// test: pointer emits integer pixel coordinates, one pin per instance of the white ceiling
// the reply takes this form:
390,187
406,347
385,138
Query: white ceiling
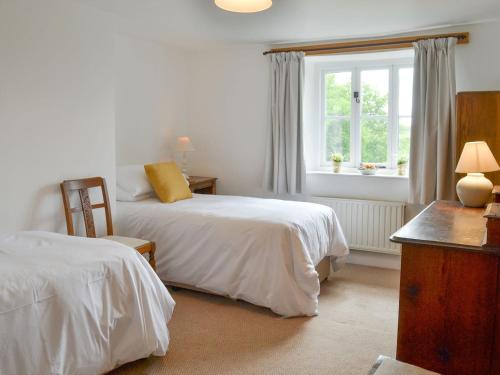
291,20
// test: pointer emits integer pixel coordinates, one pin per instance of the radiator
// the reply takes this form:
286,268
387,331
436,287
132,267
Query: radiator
367,225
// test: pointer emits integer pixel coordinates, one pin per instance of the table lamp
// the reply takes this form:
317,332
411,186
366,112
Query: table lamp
184,146
474,190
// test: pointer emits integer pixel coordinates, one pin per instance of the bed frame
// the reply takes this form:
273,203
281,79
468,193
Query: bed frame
323,270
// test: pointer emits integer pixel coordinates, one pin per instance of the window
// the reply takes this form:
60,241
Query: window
365,109
338,113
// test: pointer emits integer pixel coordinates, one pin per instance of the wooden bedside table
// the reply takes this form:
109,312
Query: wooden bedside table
203,185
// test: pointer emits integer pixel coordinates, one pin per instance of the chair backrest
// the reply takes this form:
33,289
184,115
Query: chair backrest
82,186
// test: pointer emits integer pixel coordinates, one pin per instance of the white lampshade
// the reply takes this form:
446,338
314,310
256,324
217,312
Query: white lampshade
244,6
476,157
184,144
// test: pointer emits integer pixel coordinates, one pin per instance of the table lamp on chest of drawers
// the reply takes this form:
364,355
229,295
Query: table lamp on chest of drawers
474,190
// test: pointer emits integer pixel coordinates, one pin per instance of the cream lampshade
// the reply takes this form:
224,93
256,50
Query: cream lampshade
474,190
184,146
244,6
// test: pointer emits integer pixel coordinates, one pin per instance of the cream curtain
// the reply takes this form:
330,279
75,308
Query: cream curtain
285,166
432,150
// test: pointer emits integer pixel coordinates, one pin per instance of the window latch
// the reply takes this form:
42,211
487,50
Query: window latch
356,96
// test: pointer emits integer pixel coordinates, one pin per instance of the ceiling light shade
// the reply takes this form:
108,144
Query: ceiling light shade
244,6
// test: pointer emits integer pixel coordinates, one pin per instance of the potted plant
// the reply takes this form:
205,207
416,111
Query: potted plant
337,160
368,169
402,166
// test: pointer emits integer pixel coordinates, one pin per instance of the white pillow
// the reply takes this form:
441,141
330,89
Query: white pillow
123,196
132,183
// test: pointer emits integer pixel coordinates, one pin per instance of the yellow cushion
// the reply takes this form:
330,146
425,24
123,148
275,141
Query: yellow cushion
168,182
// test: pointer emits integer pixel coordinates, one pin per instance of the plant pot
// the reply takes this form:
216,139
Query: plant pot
402,169
336,167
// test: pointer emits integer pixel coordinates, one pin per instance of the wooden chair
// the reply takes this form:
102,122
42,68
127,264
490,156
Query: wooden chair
86,207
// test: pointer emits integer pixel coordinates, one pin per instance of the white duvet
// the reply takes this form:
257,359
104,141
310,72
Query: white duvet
71,305
263,251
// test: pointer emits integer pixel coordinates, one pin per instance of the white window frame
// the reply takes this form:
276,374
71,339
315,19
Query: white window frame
356,67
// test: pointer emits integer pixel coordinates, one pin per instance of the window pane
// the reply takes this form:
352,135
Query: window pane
338,94
404,137
405,91
375,92
374,139
338,137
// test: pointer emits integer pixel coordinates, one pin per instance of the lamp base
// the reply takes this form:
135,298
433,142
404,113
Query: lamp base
474,190
184,163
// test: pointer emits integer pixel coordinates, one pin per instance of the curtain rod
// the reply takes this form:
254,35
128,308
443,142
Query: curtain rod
368,44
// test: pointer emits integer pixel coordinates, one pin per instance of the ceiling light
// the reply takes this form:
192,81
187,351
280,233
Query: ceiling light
244,6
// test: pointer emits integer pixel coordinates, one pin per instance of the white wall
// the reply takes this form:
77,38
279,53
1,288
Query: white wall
151,99
56,107
227,116
477,63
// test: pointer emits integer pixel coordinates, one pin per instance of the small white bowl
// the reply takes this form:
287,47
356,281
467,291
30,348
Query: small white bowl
368,172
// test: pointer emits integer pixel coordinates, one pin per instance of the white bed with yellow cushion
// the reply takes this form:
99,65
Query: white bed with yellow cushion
263,251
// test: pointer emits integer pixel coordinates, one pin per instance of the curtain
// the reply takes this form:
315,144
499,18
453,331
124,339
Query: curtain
285,166
433,128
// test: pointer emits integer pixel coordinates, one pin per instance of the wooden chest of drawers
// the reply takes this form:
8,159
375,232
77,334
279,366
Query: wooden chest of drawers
449,307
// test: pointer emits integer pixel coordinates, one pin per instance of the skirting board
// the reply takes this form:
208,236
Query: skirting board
380,260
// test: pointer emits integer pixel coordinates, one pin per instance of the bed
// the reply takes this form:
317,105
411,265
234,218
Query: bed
71,305
263,251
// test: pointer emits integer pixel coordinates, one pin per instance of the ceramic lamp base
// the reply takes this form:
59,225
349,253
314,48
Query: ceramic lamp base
474,190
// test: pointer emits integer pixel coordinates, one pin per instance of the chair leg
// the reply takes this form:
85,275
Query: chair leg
152,260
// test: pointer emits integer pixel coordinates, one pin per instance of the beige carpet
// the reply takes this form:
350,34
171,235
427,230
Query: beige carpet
215,335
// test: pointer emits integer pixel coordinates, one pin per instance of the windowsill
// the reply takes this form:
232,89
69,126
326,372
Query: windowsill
382,173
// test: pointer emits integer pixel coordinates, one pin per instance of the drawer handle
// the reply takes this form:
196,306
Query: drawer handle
444,354
413,291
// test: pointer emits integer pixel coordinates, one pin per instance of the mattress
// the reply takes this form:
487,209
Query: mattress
72,305
263,251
